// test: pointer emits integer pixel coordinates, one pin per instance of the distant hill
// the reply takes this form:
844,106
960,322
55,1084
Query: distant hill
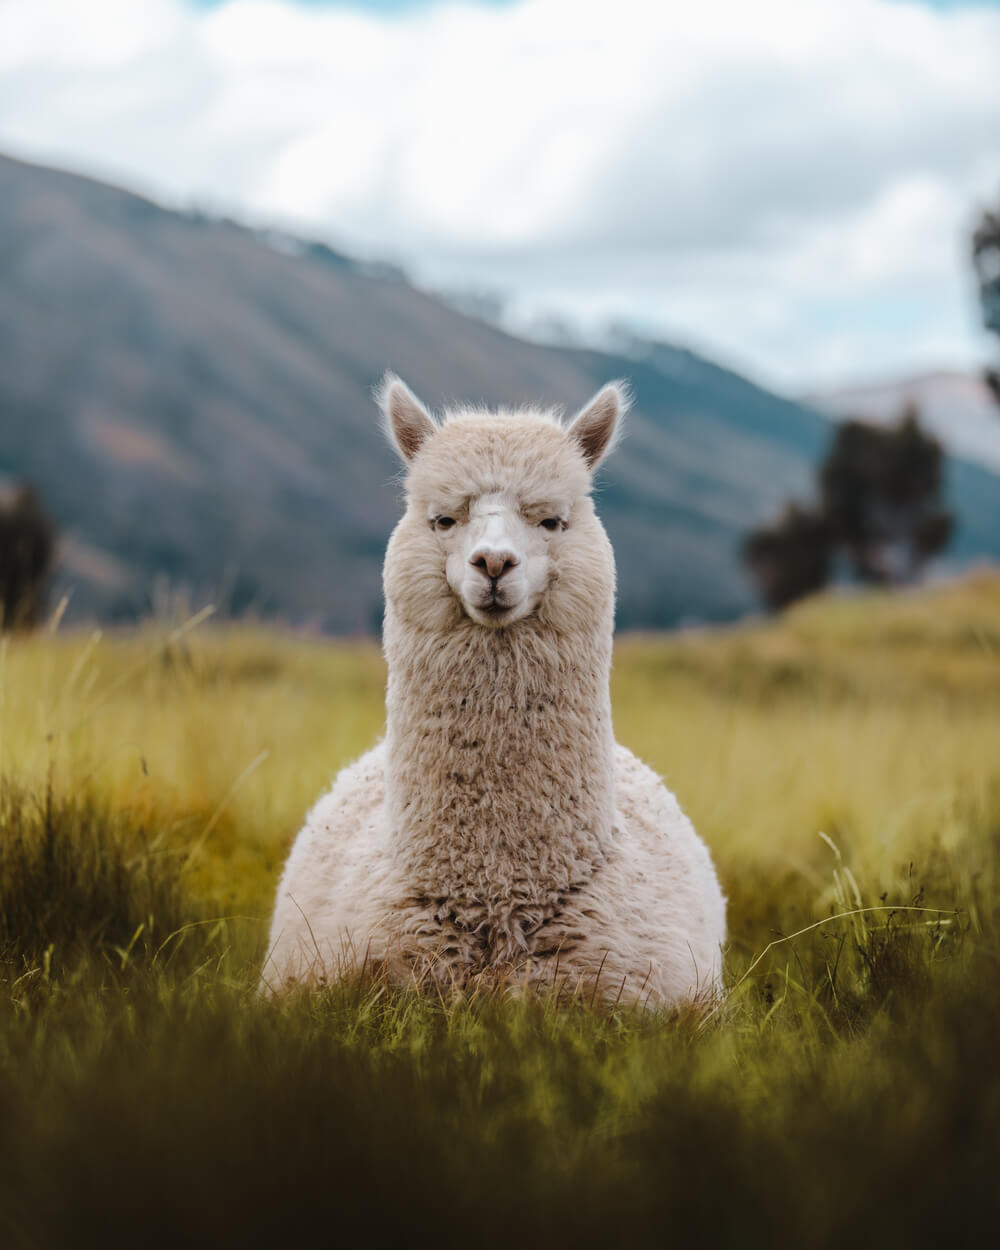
192,399
959,407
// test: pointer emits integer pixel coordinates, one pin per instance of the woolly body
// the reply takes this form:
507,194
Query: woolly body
498,830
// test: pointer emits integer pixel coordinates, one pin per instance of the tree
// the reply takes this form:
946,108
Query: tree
881,496
986,258
791,558
881,507
27,549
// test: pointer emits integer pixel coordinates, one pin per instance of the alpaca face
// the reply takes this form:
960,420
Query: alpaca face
497,550
499,525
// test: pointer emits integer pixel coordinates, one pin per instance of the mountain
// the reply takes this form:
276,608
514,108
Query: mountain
192,399
959,407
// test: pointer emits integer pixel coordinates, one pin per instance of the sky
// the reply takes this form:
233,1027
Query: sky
786,186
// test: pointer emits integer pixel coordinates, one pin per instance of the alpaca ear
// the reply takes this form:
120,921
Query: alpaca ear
407,421
597,427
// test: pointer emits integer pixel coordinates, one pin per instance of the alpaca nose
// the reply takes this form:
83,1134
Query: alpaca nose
494,564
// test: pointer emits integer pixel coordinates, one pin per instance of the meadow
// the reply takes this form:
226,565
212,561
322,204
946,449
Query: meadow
843,764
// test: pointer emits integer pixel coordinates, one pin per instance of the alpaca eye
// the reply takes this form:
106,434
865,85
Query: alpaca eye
444,522
550,523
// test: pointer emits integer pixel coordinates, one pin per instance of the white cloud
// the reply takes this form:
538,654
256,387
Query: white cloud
785,183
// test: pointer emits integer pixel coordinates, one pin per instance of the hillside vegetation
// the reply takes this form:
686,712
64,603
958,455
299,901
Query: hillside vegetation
844,766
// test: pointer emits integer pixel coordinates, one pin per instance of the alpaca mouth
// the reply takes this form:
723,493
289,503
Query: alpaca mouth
493,609
496,607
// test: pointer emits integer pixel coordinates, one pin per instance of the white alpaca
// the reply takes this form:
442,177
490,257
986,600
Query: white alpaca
498,829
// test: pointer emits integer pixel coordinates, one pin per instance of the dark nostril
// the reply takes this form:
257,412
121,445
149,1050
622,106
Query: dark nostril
495,564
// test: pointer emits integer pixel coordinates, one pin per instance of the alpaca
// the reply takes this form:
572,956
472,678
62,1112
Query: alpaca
498,831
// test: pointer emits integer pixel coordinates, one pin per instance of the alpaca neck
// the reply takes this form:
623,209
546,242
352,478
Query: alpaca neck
500,764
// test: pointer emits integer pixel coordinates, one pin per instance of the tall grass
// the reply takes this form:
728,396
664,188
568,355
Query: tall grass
844,766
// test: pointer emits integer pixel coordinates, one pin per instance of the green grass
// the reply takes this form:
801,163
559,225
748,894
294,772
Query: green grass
846,1089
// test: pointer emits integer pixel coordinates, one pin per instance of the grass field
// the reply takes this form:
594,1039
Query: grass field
843,760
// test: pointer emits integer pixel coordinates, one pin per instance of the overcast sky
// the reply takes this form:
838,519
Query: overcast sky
786,185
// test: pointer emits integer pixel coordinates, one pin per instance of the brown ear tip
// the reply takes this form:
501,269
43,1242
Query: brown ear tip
389,389
597,428
620,392
406,422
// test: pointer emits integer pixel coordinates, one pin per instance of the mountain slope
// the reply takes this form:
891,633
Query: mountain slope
192,399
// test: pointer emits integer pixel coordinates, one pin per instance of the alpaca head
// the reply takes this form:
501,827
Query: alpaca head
499,525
